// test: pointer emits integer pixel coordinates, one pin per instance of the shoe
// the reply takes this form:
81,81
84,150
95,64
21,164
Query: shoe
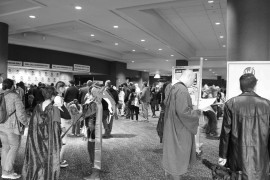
63,164
11,176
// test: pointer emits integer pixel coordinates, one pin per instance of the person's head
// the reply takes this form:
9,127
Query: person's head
60,87
72,82
247,82
144,84
49,92
89,83
124,84
187,77
7,84
132,90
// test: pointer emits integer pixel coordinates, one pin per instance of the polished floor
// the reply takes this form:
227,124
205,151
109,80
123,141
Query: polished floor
133,153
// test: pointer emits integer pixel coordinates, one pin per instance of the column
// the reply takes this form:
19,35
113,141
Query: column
248,30
3,49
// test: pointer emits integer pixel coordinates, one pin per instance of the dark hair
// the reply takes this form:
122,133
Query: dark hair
7,84
59,84
72,82
48,92
145,84
247,82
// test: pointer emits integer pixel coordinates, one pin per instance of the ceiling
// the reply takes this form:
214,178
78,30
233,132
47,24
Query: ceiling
171,29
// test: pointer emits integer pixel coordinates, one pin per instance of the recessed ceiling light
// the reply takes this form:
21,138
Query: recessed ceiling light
224,46
78,7
206,59
160,49
116,44
221,37
172,55
213,72
132,61
217,23
143,40
133,50
167,60
115,27
92,35
144,70
210,2
210,69
32,16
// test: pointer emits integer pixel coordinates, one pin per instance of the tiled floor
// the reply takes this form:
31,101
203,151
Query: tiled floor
133,153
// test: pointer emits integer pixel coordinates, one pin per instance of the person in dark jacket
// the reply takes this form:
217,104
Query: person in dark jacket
244,139
37,93
71,93
84,91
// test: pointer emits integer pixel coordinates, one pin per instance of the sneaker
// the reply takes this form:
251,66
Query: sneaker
11,176
63,164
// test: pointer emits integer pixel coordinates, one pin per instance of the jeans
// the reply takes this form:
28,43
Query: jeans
10,146
107,126
145,109
134,110
76,128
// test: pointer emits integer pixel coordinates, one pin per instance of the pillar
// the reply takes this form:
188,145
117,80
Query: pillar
3,49
181,62
248,30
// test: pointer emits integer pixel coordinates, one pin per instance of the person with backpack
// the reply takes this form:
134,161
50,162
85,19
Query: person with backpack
12,120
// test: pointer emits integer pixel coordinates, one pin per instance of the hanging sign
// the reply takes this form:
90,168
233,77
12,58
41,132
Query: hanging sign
62,67
81,68
14,63
36,65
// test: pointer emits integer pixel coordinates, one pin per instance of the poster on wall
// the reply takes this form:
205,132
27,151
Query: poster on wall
81,68
32,76
261,70
195,89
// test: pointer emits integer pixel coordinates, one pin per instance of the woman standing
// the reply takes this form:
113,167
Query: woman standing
42,153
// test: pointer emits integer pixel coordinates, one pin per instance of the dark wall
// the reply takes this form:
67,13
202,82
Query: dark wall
115,71
31,54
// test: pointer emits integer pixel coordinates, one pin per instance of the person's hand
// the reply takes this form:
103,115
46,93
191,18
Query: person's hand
222,161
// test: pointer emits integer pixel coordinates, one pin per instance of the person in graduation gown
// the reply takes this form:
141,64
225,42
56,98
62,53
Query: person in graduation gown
42,152
181,124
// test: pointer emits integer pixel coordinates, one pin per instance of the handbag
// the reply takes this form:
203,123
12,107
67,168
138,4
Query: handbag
222,173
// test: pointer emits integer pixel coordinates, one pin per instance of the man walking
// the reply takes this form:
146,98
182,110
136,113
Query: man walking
145,99
244,139
181,123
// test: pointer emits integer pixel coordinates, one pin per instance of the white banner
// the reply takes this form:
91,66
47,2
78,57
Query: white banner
235,69
81,68
36,65
62,67
14,63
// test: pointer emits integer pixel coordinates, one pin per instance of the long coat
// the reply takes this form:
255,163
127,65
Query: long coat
179,149
244,139
42,151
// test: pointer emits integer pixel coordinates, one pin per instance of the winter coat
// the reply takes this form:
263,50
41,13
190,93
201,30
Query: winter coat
14,103
244,139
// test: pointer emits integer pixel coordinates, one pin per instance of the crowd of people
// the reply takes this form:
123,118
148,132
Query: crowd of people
54,109
49,111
